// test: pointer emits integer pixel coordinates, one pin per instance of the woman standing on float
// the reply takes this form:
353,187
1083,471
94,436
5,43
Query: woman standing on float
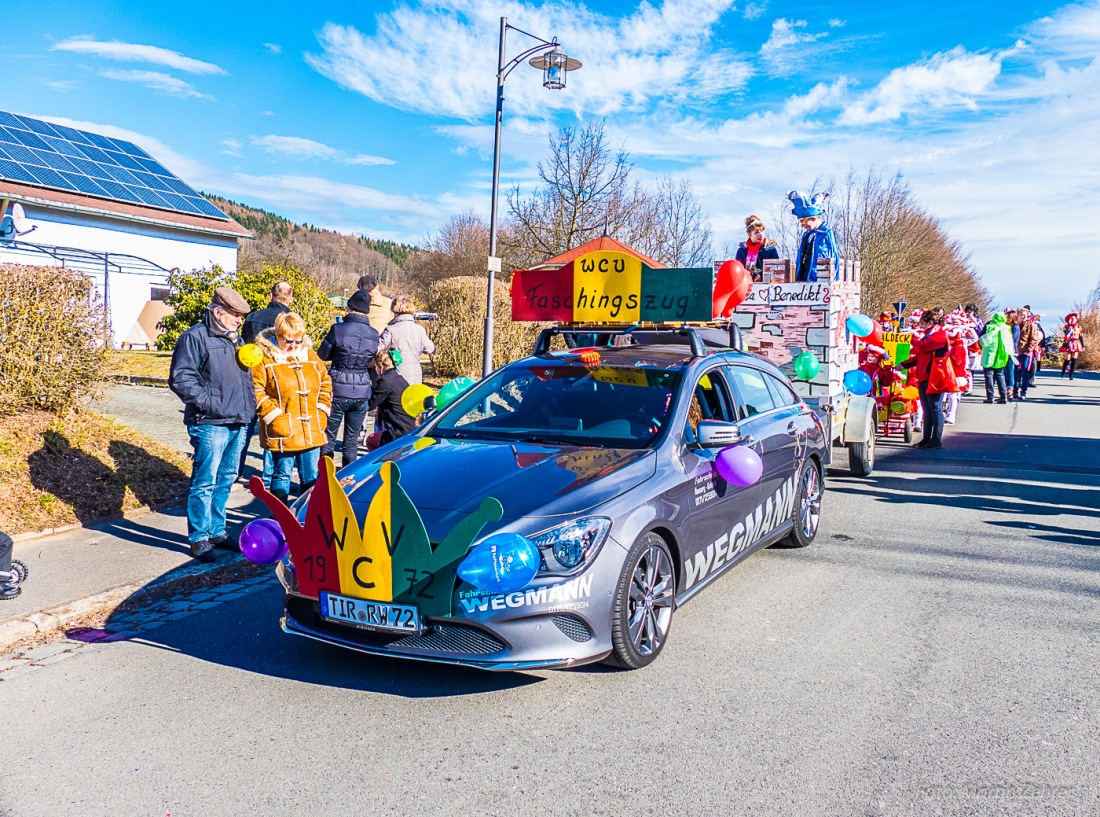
1072,344
757,249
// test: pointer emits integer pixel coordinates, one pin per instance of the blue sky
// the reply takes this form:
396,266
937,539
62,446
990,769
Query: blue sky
375,117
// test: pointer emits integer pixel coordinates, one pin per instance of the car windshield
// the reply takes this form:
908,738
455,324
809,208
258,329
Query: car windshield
619,407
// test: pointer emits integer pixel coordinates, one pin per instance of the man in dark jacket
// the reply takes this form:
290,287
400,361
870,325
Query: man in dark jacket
350,345
219,403
386,397
282,296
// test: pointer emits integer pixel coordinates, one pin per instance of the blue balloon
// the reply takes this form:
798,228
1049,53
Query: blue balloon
500,564
860,325
857,382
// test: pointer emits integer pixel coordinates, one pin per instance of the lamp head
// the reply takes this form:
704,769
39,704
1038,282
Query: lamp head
554,66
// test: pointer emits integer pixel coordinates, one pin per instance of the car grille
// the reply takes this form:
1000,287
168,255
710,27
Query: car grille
573,626
448,637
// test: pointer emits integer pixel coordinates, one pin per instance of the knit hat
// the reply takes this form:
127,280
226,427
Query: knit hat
753,223
230,300
359,301
807,206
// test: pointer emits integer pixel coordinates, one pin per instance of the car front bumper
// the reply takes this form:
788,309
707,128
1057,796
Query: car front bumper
535,641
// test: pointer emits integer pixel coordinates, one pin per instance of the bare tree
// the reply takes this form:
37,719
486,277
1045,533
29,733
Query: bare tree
586,191
460,248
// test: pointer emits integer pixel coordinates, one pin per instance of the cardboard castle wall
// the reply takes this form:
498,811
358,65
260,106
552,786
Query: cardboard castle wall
781,321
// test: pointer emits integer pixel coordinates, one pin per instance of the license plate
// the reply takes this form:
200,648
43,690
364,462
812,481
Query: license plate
372,615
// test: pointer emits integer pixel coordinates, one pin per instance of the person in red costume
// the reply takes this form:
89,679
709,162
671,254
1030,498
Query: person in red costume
933,344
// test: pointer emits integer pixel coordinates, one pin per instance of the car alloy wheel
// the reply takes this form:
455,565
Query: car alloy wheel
806,513
810,502
644,603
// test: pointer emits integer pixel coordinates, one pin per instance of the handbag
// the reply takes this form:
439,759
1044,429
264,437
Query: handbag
941,374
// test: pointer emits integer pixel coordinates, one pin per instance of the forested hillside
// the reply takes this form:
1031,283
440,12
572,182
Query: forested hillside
335,260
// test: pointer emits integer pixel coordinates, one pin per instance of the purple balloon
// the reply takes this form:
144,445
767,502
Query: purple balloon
262,541
739,465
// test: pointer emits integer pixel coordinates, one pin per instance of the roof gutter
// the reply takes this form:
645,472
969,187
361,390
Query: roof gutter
77,208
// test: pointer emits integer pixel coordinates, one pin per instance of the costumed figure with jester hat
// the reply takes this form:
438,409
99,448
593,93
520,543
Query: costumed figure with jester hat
818,242
961,336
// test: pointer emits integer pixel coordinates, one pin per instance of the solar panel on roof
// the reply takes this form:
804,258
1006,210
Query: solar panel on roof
64,158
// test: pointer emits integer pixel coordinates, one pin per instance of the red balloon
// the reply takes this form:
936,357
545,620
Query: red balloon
875,338
374,440
731,287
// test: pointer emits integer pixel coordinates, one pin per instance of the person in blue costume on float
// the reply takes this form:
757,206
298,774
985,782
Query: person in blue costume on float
818,241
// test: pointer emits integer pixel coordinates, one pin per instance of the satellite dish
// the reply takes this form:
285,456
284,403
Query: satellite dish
15,224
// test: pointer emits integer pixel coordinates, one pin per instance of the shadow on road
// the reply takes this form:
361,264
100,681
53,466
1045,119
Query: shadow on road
244,633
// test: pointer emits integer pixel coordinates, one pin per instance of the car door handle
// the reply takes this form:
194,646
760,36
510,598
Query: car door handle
792,430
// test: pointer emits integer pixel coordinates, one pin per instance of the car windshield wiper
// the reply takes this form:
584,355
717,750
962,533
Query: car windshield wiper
458,434
549,439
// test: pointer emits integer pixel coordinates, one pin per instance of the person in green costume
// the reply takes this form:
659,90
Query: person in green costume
996,343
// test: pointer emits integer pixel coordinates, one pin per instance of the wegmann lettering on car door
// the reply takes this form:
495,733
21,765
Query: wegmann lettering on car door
766,517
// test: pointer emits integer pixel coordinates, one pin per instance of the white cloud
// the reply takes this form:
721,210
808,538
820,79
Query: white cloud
951,79
61,84
836,22
754,11
630,63
295,147
165,83
274,48
133,52
780,51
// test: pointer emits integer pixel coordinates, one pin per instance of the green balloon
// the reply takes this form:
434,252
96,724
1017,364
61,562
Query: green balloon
806,366
451,390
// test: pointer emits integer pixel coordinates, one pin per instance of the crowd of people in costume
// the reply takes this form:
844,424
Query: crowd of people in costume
946,352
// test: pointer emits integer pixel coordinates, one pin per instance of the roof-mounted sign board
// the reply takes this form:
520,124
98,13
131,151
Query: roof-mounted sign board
612,287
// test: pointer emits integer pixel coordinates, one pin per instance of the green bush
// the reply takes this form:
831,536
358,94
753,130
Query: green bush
458,334
190,294
54,337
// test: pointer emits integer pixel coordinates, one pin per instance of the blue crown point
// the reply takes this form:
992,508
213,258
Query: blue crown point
806,206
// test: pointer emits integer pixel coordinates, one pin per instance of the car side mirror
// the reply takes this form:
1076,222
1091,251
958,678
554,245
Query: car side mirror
718,434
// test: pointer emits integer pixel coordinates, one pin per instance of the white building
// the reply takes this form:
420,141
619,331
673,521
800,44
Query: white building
106,207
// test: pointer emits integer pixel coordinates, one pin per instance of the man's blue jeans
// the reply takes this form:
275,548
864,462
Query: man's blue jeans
213,470
269,465
305,461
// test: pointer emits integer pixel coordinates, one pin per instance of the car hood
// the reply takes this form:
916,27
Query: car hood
444,477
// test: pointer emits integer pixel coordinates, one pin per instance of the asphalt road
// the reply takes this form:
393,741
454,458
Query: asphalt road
933,653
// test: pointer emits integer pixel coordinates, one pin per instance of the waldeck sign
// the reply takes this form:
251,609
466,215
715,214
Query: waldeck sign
612,287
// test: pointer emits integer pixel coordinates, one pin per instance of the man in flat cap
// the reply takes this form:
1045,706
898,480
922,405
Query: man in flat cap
219,403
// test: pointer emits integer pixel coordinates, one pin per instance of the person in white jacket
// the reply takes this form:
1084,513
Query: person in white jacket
408,337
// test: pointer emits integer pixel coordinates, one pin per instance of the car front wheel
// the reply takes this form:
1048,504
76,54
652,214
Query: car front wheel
644,600
806,515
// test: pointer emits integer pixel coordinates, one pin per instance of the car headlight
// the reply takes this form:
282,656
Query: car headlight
568,547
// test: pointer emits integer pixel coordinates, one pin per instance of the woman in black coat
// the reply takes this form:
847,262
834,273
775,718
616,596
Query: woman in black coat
756,248
350,345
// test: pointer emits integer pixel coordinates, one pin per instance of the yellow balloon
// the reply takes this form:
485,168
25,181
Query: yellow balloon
910,393
412,399
250,355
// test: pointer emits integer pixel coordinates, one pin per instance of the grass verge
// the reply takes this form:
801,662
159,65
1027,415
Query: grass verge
138,363
58,470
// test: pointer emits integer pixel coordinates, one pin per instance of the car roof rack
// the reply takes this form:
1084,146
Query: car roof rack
699,338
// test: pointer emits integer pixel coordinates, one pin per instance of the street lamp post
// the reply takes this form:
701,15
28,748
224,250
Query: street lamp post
555,65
